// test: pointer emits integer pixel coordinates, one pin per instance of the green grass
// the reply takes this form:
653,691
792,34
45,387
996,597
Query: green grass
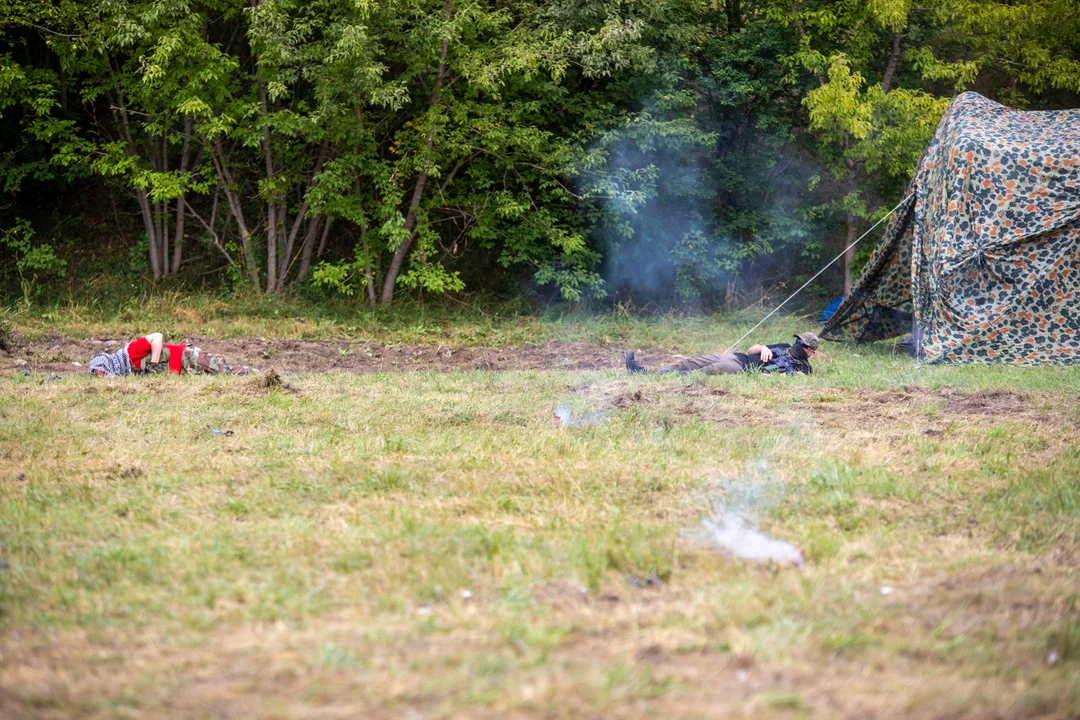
486,323
370,545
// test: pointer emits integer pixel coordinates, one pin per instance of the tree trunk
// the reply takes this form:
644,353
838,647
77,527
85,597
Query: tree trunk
178,239
369,277
894,60
322,241
286,262
849,253
734,15
290,242
271,205
186,208
140,193
308,248
418,190
237,211
159,224
410,220
148,222
164,246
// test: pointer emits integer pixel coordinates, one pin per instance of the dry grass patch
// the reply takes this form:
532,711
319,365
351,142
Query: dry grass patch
379,544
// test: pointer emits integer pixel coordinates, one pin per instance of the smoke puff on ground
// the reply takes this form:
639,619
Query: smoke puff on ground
733,534
732,526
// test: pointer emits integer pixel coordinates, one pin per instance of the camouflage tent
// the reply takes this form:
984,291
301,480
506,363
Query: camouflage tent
985,251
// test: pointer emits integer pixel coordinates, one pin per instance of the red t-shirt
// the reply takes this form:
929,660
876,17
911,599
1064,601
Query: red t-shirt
139,349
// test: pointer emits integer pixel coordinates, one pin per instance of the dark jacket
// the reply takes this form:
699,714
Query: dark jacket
786,359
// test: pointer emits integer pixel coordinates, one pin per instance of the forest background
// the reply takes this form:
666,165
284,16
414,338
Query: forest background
672,153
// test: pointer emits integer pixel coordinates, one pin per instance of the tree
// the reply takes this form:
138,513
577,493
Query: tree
464,160
674,147
881,87
700,175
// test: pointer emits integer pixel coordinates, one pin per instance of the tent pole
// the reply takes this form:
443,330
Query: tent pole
916,336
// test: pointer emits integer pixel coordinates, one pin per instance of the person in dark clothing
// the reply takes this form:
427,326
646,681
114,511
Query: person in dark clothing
783,358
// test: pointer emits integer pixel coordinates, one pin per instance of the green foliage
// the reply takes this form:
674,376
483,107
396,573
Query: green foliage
7,329
667,151
33,261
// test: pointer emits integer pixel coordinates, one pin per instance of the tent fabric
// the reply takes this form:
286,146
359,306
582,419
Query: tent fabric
830,310
985,250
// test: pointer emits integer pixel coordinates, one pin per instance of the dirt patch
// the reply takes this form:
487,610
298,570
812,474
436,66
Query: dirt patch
562,595
830,407
999,403
1001,599
870,405
270,380
64,355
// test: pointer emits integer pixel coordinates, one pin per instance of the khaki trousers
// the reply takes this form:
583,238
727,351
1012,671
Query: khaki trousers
722,364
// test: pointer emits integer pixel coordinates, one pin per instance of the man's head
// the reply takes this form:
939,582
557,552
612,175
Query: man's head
808,341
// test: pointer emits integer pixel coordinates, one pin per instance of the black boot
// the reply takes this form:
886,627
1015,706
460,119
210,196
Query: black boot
632,366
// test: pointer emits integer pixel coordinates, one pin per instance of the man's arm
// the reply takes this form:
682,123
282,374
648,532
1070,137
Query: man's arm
156,340
763,350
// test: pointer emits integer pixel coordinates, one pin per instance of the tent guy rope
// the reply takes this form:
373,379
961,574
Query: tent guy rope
830,263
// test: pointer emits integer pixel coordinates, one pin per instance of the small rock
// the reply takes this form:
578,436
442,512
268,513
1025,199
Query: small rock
466,595
1053,657
21,363
651,653
652,581
886,590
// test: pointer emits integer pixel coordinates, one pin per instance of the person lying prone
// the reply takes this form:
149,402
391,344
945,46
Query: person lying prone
782,358
150,354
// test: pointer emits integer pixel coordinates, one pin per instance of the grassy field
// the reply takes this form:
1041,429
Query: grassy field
465,325
431,545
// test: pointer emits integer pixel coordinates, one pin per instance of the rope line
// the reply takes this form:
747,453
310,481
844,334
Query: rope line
844,252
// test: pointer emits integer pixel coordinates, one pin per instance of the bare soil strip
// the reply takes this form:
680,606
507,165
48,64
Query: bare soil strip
59,354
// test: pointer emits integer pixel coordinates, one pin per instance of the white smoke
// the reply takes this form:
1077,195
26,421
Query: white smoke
737,537
733,524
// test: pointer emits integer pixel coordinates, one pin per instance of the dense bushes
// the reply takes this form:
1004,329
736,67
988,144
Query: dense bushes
676,151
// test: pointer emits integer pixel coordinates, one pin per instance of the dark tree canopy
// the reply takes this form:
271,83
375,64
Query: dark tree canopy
670,151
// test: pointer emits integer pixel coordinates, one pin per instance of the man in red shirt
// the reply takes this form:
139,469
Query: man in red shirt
177,359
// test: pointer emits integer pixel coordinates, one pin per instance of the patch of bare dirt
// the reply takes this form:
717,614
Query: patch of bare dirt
998,403
873,405
63,355
1002,599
